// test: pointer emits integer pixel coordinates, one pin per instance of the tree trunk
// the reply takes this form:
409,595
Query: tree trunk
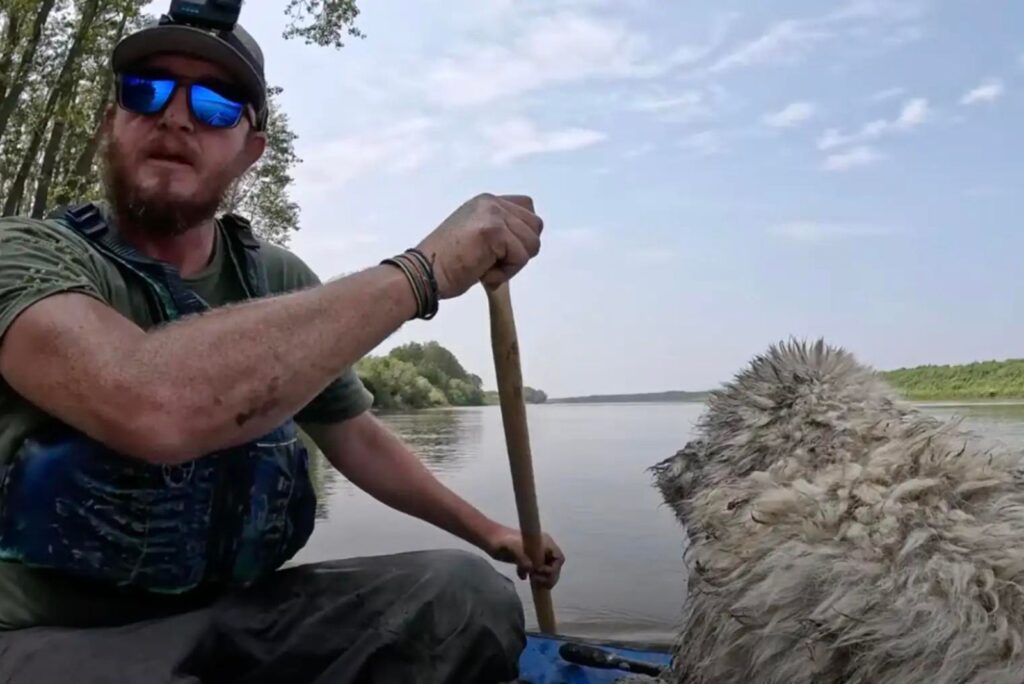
60,87
45,178
28,55
11,35
80,174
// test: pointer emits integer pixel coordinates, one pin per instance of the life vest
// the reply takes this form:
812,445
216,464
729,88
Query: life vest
71,504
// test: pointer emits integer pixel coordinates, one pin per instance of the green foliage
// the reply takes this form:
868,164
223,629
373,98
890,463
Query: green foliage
396,384
440,367
534,396
261,194
530,396
427,375
981,380
322,22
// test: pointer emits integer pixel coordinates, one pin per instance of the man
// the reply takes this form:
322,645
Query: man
153,360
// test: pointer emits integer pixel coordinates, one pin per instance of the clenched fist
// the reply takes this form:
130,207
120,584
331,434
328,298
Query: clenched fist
488,239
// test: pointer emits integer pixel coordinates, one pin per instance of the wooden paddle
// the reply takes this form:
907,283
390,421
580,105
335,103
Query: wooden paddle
505,345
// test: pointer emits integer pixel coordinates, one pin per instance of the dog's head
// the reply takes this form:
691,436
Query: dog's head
812,403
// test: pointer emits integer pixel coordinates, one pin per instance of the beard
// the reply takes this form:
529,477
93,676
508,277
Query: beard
155,210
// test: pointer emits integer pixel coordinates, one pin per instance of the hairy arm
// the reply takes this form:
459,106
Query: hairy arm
225,377
203,383
376,460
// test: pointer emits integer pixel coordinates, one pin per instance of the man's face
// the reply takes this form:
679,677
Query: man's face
168,172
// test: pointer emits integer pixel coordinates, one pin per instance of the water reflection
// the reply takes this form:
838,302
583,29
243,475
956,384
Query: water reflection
443,439
1001,423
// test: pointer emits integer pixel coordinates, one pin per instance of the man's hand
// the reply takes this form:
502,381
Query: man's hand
506,544
488,239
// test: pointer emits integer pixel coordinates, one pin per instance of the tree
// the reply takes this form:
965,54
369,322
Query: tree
440,367
396,384
16,85
534,396
262,195
418,375
322,22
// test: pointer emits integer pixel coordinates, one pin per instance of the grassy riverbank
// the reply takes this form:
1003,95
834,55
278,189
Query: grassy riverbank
983,380
980,380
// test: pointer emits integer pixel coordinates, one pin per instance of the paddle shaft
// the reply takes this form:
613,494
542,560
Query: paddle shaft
505,345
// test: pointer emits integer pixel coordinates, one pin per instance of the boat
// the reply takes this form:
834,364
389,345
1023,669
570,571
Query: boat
561,659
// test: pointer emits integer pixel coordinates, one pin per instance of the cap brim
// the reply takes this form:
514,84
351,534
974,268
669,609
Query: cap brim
194,42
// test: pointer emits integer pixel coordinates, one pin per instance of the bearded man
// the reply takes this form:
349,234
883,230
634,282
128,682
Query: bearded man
157,362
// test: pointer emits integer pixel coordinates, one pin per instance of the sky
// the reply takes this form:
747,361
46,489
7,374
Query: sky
714,177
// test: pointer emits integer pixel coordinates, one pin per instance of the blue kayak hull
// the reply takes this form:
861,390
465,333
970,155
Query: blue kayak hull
541,662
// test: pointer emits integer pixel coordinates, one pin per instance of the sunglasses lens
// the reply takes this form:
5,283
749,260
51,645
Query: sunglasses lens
214,109
145,95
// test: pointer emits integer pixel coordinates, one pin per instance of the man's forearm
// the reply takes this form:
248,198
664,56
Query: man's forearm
378,462
235,373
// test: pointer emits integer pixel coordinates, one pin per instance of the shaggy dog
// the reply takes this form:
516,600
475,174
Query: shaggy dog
838,535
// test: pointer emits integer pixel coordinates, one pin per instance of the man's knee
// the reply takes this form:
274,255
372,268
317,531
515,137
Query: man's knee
470,577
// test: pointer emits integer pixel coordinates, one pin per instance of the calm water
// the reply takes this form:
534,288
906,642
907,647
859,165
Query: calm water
624,576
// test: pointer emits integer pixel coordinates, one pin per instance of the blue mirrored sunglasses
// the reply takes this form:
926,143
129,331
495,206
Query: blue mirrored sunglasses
151,95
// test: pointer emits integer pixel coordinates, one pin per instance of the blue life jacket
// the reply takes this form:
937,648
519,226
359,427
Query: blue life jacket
71,504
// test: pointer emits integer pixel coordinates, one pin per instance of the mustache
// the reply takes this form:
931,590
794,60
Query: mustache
171,147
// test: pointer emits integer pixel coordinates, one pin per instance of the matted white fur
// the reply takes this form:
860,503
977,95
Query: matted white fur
836,534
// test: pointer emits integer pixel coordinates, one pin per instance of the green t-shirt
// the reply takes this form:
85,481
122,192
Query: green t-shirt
39,259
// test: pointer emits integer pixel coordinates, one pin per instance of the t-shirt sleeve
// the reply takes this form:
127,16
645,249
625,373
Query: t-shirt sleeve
346,397
37,261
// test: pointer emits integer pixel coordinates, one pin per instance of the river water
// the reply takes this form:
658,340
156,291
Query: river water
624,576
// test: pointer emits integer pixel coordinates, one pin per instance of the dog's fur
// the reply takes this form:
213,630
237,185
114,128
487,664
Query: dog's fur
836,534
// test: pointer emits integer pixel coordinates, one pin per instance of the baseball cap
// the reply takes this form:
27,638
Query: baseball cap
236,51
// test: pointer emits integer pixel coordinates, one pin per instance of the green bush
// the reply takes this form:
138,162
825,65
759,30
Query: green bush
980,380
426,375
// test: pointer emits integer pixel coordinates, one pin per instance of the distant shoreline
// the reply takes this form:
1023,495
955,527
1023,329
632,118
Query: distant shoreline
700,397
644,397
973,384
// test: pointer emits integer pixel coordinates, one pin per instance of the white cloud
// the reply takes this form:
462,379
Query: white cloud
563,47
517,138
820,231
791,115
705,143
559,48
869,22
852,158
887,94
403,146
913,113
674,105
878,9
785,42
688,100
989,90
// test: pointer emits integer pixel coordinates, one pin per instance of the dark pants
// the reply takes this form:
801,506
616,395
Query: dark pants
436,616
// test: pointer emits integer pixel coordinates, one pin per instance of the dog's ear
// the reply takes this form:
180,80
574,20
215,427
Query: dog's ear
681,476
